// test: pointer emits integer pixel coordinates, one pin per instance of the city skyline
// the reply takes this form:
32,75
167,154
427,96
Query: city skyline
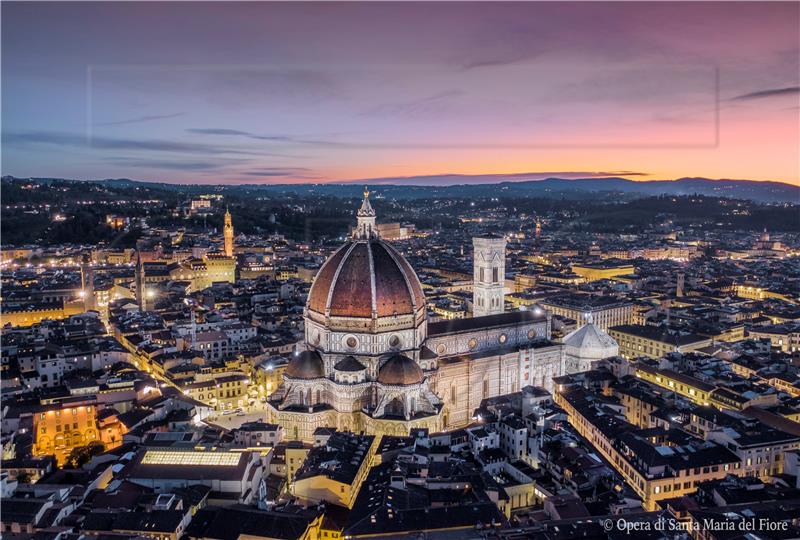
417,270
295,93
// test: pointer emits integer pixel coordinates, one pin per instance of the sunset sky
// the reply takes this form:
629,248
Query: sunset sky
318,92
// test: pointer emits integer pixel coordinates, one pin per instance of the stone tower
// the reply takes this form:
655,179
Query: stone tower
141,296
227,233
489,256
87,282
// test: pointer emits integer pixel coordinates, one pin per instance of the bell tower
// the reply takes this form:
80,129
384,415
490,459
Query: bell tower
87,282
489,276
141,296
227,233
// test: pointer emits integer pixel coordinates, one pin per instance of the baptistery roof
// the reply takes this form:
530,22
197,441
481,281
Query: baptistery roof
400,370
366,278
590,341
306,365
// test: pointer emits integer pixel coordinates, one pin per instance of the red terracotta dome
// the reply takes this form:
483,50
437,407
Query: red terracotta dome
366,278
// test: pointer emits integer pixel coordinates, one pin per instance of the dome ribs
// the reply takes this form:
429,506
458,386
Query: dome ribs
352,289
318,296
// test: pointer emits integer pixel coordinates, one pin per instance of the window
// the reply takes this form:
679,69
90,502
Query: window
495,275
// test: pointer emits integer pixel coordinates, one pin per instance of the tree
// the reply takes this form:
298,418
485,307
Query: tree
81,455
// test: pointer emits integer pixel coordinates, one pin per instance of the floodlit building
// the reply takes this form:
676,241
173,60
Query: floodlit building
373,363
227,233
333,472
604,270
61,429
586,346
605,311
639,340
489,275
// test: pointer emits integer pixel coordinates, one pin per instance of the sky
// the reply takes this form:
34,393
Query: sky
259,92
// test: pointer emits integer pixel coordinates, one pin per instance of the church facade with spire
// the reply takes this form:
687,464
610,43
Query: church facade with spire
371,361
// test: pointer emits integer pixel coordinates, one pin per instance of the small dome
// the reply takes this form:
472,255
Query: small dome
400,370
349,363
590,342
306,365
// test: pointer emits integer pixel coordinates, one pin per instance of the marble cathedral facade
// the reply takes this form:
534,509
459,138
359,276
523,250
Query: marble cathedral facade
373,363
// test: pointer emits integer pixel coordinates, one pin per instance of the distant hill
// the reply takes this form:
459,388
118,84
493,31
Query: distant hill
561,188
739,189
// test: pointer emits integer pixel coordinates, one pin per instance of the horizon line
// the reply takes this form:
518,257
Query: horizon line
398,181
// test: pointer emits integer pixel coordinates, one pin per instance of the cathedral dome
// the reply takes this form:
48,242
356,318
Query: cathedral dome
366,278
306,365
400,370
590,342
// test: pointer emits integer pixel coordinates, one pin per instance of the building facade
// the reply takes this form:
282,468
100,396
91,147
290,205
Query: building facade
605,311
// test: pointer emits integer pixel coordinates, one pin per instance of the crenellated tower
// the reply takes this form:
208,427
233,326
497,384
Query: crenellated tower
227,233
